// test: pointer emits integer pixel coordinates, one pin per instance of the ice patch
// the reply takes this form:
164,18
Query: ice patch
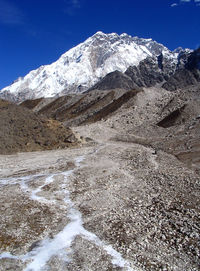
117,258
63,240
49,248
79,160
34,193
60,245
9,256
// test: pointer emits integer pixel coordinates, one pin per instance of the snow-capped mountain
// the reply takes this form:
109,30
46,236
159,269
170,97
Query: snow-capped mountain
82,66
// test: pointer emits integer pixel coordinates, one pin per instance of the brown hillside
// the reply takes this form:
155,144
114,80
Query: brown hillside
22,130
30,104
74,110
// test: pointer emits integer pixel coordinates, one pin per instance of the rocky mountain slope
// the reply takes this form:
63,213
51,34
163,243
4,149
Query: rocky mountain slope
160,119
130,200
165,121
115,80
22,130
82,66
187,72
154,71
79,109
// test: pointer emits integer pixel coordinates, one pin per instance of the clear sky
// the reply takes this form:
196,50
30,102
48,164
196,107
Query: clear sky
37,32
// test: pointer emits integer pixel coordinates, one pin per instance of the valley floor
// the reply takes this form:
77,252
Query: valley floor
109,205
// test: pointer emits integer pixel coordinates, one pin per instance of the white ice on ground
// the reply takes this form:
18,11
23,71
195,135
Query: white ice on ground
9,256
60,245
78,160
117,258
12,181
33,193
19,180
48,248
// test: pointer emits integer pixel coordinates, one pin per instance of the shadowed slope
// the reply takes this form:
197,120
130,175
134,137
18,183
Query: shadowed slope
23,130
89,107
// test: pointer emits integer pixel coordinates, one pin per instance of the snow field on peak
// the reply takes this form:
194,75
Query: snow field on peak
83,65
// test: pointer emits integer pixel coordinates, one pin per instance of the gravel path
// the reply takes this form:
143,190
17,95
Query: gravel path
107,206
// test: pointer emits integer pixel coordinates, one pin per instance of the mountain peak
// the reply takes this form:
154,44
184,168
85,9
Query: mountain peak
102,35
82,66
99,33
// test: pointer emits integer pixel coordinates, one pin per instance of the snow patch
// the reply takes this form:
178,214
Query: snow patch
8,255
60,245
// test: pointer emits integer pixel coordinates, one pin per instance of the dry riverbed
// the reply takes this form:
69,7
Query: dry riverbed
108,206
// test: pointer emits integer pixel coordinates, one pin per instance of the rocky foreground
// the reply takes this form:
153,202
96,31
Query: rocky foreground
112,206
128,199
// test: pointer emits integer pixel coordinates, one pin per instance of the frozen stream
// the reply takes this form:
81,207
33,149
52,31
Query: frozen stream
61,244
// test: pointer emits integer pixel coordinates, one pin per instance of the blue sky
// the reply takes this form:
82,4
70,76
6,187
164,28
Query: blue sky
37,32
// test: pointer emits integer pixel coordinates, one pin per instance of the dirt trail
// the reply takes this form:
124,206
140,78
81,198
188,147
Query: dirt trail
49,191
123,207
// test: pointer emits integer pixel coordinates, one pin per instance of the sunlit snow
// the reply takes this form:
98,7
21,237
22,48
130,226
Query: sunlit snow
97,56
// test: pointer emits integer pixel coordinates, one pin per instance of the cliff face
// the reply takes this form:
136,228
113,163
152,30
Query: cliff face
187,72
157,70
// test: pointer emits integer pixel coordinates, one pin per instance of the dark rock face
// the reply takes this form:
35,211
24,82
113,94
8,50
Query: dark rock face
151,71
147,73
115,80
193,61
182,78
155,70
187,72
182,60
